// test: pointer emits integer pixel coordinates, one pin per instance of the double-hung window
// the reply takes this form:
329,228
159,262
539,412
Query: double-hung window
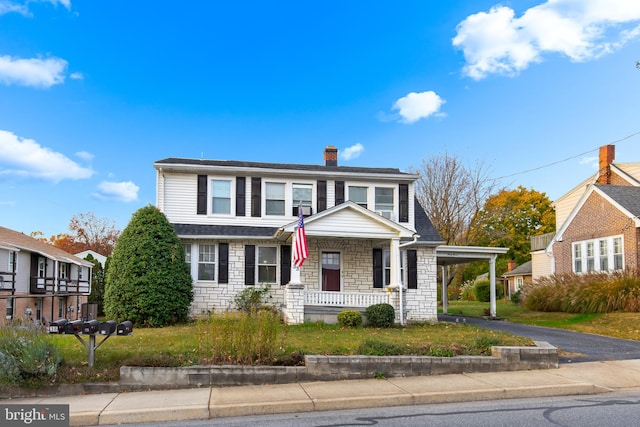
591,265
618,263
384,199
13,262
604,255
302,196
267,264
386,258
359,195
10,307
206,262
577,257
220,196
274,198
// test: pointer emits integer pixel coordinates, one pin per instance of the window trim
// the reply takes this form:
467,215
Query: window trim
276,248
231,198
214,262
366,194
265,199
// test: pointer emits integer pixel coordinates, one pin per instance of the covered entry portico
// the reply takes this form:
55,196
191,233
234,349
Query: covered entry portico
451,255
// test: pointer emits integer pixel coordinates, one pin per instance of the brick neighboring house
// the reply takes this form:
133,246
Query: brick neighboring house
598,223
516,277
39,281
369,239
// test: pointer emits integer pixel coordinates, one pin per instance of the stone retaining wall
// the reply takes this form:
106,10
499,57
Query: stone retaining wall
331,368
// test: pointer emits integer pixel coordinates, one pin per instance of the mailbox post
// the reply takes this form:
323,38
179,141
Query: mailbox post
91,328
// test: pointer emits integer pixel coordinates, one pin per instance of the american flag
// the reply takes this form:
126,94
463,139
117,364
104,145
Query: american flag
300,248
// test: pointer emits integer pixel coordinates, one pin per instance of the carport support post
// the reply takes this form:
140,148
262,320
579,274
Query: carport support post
445,293
492,286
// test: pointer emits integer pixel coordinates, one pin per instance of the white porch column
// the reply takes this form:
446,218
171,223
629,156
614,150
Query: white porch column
492,286
395,279
445,293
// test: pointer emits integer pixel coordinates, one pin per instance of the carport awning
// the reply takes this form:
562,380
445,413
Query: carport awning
450,255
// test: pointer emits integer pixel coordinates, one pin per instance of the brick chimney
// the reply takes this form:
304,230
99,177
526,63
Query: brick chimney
511,264
331,156
607,155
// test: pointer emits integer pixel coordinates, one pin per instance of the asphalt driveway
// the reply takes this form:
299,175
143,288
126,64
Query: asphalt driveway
574,346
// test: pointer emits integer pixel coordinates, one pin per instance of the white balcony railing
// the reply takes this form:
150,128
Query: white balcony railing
343,299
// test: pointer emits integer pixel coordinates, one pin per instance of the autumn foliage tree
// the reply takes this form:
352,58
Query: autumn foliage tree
509,219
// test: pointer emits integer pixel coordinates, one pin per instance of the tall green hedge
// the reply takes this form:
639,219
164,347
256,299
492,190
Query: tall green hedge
148,280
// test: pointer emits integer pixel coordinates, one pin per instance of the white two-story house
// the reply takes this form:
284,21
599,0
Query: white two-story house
369,239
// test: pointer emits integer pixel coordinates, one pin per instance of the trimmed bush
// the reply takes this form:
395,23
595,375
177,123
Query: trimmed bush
148,280
482,291
380,315
350,319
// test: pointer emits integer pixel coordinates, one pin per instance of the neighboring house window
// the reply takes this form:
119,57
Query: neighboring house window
577,258
519,281
10,307
274,198
302,195
384,199
387,266
267,264
603,254
13,261
42,267
61,304
39,309
358,195
220,196
590,257
206,262
617,254
62,270
604,258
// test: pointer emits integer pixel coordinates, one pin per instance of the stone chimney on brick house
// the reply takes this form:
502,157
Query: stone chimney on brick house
331,156
607,155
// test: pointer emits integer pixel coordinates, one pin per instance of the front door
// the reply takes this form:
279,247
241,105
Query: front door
331,271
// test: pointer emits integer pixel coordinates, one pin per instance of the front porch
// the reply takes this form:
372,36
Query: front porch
324,307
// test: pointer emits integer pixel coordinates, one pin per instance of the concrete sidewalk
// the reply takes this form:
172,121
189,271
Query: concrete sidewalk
213,402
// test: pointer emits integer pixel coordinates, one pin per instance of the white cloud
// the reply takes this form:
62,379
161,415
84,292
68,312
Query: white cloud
7,6
34,72
592,161
27,158
117,191
85,155
416,106
76,76
498,42
352,152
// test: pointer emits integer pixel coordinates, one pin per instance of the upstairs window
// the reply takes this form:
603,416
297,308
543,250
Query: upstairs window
13,262
302,196
358,195
220,197
62,270
274,198
384,199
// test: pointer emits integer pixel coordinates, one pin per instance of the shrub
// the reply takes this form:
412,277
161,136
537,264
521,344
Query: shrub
467,291
482,291
372,347
27,358
380,315
251,299
148,280
516,297
350,318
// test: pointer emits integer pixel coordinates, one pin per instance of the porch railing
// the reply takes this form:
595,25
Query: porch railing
343,299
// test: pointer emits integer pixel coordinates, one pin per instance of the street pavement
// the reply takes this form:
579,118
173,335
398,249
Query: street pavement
586,378
573,346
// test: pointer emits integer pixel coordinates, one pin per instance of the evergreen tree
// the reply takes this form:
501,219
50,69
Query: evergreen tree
148,281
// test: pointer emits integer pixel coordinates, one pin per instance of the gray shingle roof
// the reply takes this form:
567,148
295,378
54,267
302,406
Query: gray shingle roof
223,230
521,270
424,227
283,166
627,196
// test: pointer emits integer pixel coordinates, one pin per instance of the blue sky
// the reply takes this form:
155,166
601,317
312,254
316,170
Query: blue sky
92,93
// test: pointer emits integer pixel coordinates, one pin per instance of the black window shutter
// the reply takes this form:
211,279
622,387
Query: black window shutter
339,192
404,203
377,268
256,197
202,195
412,269
285,264
249,264
241,193
321,201
223,263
